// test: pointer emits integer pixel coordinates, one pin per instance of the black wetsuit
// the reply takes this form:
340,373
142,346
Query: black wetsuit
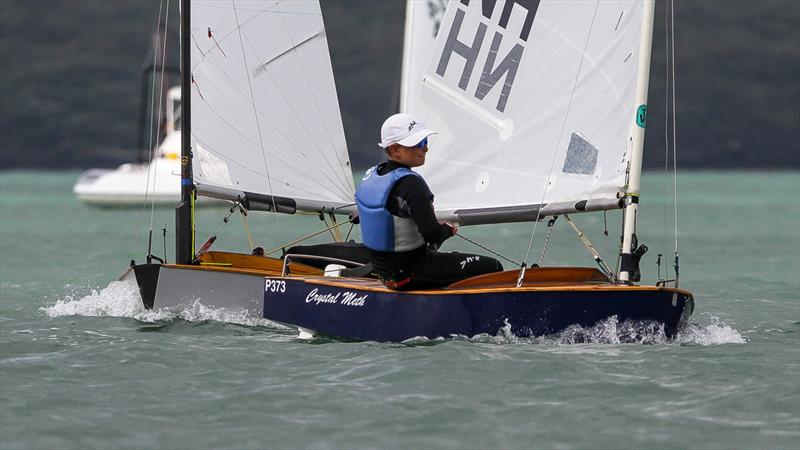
424,266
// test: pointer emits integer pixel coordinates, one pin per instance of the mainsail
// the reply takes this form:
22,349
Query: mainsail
265,117
535,105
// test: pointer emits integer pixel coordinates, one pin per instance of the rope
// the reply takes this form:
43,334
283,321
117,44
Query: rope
550,224
246,227
337,234
555,154
674,128
305,238
152,116
597,258
350,230
670,102
151,144
487,249
226,219
666,127
160,109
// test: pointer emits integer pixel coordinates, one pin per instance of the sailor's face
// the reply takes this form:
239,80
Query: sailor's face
411,156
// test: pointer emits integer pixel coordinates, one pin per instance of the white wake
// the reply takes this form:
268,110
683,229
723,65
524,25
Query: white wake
121,299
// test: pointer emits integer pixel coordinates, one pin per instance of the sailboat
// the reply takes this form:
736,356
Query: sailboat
155,176
541,111
134,184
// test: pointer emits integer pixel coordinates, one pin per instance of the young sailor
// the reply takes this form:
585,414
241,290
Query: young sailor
398,224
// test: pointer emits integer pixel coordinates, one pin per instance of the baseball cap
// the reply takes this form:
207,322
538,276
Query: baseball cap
403,129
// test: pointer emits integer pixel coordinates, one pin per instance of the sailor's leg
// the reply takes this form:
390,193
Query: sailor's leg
442,269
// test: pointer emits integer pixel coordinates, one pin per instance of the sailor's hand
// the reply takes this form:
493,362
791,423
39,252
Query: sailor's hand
453,228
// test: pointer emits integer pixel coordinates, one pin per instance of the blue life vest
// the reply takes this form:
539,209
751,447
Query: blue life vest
381,230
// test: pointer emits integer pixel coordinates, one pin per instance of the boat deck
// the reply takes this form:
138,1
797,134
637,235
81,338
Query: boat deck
536,278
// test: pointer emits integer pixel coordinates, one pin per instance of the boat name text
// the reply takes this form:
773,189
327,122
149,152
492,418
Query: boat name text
347,298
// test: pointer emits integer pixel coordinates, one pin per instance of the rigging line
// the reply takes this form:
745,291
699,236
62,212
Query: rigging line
674,132
487,249
338,237
255,113
226,219
309,236
160,110
350,230
150,142
550,224
246,227
597,258
666,124
319,151
343,191
560,137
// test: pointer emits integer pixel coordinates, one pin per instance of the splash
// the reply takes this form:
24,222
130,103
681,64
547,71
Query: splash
121,299
118,299
714,333
612,331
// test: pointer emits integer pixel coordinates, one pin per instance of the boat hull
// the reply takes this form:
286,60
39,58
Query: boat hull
356,309
131,185
397,316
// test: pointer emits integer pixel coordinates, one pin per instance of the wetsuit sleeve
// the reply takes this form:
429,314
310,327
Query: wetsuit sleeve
414,192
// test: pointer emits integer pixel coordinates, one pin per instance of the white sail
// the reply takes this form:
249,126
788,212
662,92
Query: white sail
265,115
423,18
534,102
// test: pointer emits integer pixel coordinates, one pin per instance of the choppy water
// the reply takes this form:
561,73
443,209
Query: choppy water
83,365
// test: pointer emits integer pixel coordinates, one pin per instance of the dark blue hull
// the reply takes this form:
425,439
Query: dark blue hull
389,316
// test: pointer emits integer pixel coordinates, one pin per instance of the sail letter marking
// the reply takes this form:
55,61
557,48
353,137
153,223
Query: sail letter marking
508,67
490,74
454,45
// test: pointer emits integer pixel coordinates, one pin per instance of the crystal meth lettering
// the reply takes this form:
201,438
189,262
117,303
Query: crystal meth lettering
346,298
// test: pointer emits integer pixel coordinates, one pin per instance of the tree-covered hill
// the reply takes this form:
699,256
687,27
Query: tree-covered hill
70,78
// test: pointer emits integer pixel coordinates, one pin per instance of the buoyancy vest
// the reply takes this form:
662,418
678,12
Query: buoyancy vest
381,230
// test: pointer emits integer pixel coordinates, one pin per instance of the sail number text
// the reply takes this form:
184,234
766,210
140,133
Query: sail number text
275,286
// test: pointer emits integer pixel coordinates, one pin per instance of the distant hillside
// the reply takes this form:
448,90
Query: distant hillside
71,76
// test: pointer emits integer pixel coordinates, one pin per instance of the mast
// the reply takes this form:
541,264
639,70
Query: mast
184,211
628,262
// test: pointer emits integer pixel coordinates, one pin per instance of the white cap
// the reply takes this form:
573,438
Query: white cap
404,130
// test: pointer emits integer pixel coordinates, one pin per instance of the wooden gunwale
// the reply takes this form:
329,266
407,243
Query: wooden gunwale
372,285
377,287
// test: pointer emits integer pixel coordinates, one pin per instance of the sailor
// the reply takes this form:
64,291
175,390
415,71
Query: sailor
398,223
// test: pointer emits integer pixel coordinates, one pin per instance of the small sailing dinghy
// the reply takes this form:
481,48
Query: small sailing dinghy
541,109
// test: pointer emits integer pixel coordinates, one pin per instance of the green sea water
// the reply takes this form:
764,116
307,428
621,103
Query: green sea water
82,365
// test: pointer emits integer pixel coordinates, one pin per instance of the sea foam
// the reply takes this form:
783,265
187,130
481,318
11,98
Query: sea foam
121,299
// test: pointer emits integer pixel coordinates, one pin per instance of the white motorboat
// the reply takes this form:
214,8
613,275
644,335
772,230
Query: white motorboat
134,184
